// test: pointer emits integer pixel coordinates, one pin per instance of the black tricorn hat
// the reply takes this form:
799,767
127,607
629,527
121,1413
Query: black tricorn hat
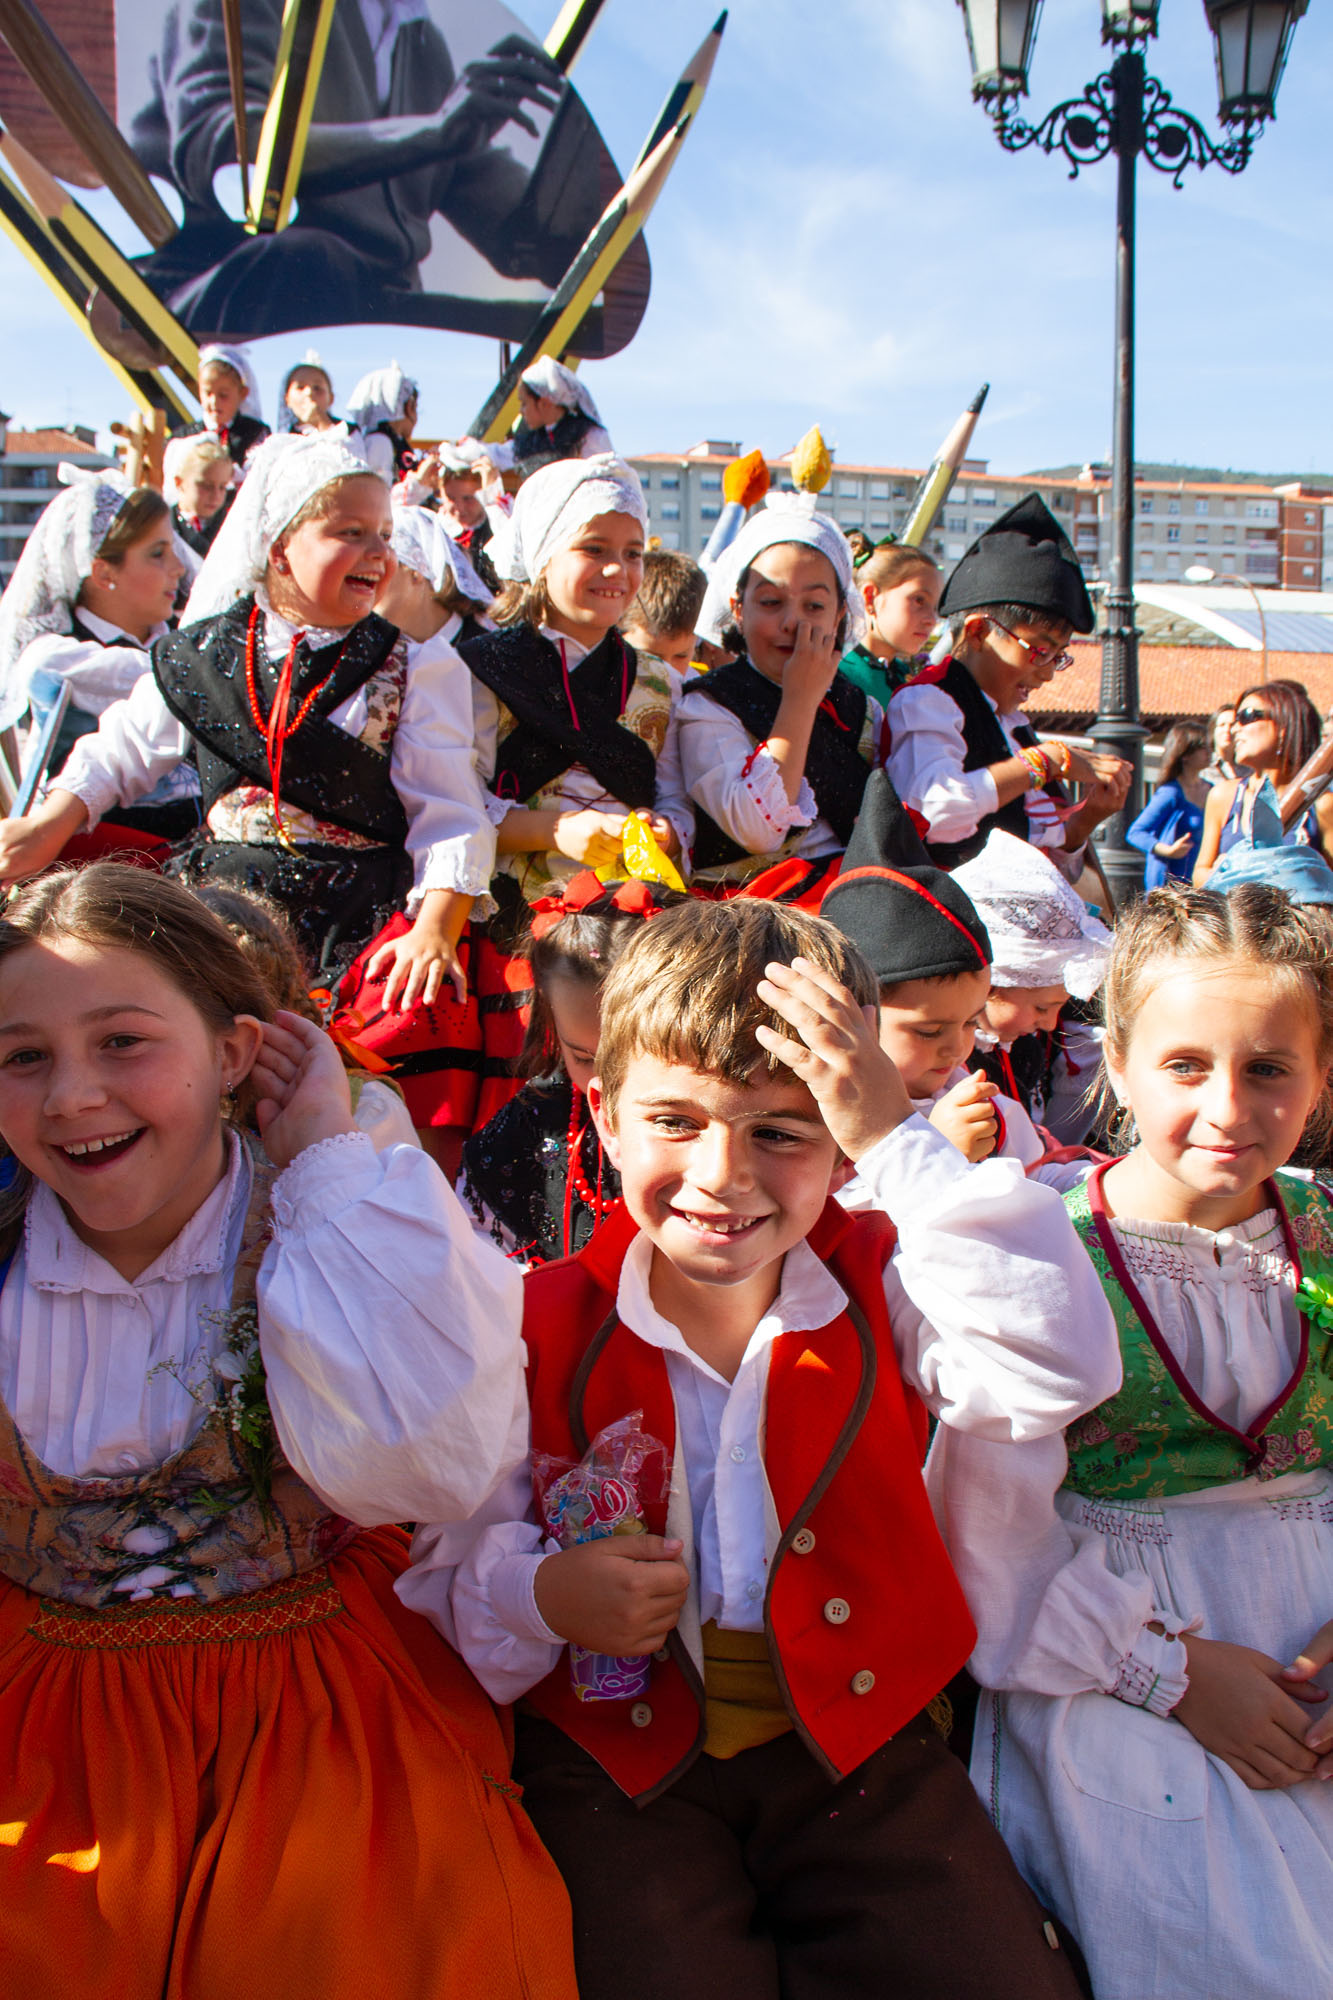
908,919
1023,558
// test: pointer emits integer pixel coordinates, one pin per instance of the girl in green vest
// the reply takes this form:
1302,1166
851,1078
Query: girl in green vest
1154,1590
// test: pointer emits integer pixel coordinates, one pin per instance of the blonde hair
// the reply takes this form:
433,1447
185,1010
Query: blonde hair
206,452
684,990
893,564
1253,925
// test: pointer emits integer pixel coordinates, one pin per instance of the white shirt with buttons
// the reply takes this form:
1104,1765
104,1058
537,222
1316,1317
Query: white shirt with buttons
999,1322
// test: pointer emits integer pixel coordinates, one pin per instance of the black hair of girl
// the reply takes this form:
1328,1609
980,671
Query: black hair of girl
1297,719
132,909
734,639
1181,743
583,945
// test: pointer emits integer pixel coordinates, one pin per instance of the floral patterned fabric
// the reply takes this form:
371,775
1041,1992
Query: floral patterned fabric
208,1523
1149,1440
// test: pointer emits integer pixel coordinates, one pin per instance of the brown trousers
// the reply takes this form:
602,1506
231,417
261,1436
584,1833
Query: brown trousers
759,1878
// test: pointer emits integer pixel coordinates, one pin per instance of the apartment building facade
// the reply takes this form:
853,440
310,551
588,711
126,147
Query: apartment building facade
28,461
1271,536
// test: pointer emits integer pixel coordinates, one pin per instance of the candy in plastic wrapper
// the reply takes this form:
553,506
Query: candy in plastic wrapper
603,1495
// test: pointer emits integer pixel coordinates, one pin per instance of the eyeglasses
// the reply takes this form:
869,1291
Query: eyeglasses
1245,715
1039,655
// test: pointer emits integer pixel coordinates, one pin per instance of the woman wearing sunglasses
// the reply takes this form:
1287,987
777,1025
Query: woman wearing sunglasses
1277,728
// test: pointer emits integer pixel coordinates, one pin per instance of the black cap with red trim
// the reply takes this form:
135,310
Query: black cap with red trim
909,919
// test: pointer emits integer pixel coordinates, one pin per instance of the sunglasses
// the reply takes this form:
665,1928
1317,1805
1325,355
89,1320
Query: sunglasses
1247,715
1041,656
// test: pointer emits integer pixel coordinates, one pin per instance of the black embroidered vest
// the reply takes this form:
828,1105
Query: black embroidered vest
325,772
984,743
533,449
522,669
835,770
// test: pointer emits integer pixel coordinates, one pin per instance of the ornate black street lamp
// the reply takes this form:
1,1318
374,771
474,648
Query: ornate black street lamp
1128,113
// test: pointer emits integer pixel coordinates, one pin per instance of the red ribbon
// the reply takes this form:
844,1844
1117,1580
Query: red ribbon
635,898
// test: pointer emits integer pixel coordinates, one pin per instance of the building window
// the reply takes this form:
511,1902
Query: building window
670,539
850,489
1145,558
879,489
1228,534
957,524
1228,506
983,499
1173,533
1173,506
671,512
1145,503
1201,506
1261,510
1309,546
880,521
1173,562
709,513
1307,569
670,482
1201,534
711,482
1309,520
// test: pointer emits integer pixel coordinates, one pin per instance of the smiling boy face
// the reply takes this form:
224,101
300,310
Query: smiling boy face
724,1178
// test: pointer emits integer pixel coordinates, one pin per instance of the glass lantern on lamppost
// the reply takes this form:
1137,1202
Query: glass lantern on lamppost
1129,113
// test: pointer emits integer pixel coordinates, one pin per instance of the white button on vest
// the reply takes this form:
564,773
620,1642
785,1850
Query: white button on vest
753,1590
802,1542
641,1715
738,1454
863,1682
837,1611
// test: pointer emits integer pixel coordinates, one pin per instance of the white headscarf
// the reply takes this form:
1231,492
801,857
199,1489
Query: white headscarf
452,460
421,541
237,359
1041,932
784,517
380,397
549,377
53,565
555,503
285,472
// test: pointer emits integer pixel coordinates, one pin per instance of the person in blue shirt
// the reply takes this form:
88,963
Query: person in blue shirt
1169,827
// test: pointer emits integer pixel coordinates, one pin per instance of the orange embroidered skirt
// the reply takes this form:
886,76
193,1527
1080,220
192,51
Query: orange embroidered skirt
299,1795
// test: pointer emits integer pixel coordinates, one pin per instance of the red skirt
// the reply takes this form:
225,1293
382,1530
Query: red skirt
453,1063
298,1795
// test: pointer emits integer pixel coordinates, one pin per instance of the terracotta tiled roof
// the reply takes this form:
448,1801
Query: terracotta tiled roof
1178,681
50,441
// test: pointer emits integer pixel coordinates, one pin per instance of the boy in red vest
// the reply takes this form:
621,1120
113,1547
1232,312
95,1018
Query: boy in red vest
775,1814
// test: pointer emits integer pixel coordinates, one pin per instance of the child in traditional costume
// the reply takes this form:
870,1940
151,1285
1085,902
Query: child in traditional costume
197,478
537,1178
963,755
384,406
336,755
776,746
454,603
229,1756
773,1812
575,730
94,587
1047,947
557,419
229,394
900,587
929,950
663,616
1152,1589
305,399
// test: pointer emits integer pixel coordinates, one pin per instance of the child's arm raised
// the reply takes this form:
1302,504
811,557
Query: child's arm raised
389,1329
998,1317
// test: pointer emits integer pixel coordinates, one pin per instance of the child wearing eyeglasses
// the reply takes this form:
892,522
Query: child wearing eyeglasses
963,754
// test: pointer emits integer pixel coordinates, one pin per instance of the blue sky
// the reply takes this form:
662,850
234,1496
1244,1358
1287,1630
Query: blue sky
843,241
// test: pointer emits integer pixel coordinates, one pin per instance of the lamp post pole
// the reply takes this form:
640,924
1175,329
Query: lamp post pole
1118,728
1129,113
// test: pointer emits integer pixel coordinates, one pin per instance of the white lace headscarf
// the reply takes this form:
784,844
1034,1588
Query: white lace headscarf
421,541
553,506
285,472
380,397
55,562
784,517
238,360
549,377
1042,933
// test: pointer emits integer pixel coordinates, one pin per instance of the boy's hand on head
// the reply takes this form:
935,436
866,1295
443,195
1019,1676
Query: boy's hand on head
966,1116
301,1088
620,1595
835,1052
1246,1710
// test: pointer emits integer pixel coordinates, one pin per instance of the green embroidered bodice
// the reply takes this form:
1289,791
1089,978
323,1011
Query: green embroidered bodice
1154,1437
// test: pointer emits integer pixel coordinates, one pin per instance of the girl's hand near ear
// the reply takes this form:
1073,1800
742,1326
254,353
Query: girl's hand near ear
301,1088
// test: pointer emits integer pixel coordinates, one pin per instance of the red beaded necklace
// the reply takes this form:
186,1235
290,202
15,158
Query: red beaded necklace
576,1182
277,727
